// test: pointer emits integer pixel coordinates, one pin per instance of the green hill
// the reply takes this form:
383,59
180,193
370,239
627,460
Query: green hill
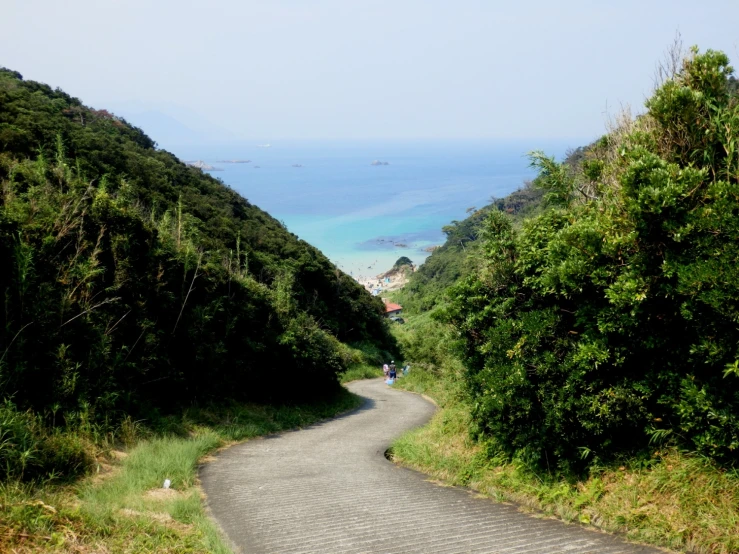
133,282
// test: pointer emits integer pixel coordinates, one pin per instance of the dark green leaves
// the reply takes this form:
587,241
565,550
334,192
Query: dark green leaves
612,317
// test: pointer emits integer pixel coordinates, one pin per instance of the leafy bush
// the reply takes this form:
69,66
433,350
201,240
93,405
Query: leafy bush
610,319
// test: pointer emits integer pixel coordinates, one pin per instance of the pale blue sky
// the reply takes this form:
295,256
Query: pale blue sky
391,69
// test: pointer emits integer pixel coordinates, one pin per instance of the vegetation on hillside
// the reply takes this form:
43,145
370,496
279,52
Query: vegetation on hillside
123,507
135,285
609,322
401,262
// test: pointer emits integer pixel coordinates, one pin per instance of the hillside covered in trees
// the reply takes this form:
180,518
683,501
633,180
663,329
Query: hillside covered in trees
608,321
133,283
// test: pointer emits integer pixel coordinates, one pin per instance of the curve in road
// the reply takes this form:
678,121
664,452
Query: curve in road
329,489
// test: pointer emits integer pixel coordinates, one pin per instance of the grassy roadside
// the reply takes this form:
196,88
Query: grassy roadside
123,508
363,361
363,371
672,499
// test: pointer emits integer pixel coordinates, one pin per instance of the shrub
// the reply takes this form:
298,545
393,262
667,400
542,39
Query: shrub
610,319
28,450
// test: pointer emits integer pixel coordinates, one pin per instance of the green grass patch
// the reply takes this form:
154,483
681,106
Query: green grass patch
123,507
363,361
670,499
361,371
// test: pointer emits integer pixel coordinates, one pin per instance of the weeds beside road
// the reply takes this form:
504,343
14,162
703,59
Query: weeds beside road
123,507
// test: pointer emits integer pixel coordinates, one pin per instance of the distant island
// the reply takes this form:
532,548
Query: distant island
297,165
391,242
378,162
200,164
234,161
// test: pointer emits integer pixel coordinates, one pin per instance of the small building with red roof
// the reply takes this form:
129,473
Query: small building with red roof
392,309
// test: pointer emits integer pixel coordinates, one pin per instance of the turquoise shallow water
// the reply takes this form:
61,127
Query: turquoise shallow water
364,217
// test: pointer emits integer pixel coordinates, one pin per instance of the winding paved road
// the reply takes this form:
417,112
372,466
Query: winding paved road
329,489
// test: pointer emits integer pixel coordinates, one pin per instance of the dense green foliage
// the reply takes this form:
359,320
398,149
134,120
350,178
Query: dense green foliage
132,282
612,319
29,450
670,498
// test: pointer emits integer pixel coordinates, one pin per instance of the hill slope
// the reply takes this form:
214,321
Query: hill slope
135,281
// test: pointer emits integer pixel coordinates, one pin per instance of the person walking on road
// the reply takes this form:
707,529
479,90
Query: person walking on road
385,370
393,372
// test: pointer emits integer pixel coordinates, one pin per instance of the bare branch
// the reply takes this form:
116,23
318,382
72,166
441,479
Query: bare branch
109,331
671,62
12,341
195,276
106,301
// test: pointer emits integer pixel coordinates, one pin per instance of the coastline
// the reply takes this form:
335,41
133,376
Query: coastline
391,280
366,265
363,217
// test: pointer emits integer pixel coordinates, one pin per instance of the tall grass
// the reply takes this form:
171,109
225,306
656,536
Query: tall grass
29,450
361,371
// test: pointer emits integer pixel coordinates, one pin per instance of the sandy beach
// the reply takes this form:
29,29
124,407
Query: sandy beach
388,281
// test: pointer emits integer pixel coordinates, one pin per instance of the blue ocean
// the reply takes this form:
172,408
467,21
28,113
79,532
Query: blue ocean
365,216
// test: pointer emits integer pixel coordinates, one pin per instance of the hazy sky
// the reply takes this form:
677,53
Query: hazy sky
361,69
